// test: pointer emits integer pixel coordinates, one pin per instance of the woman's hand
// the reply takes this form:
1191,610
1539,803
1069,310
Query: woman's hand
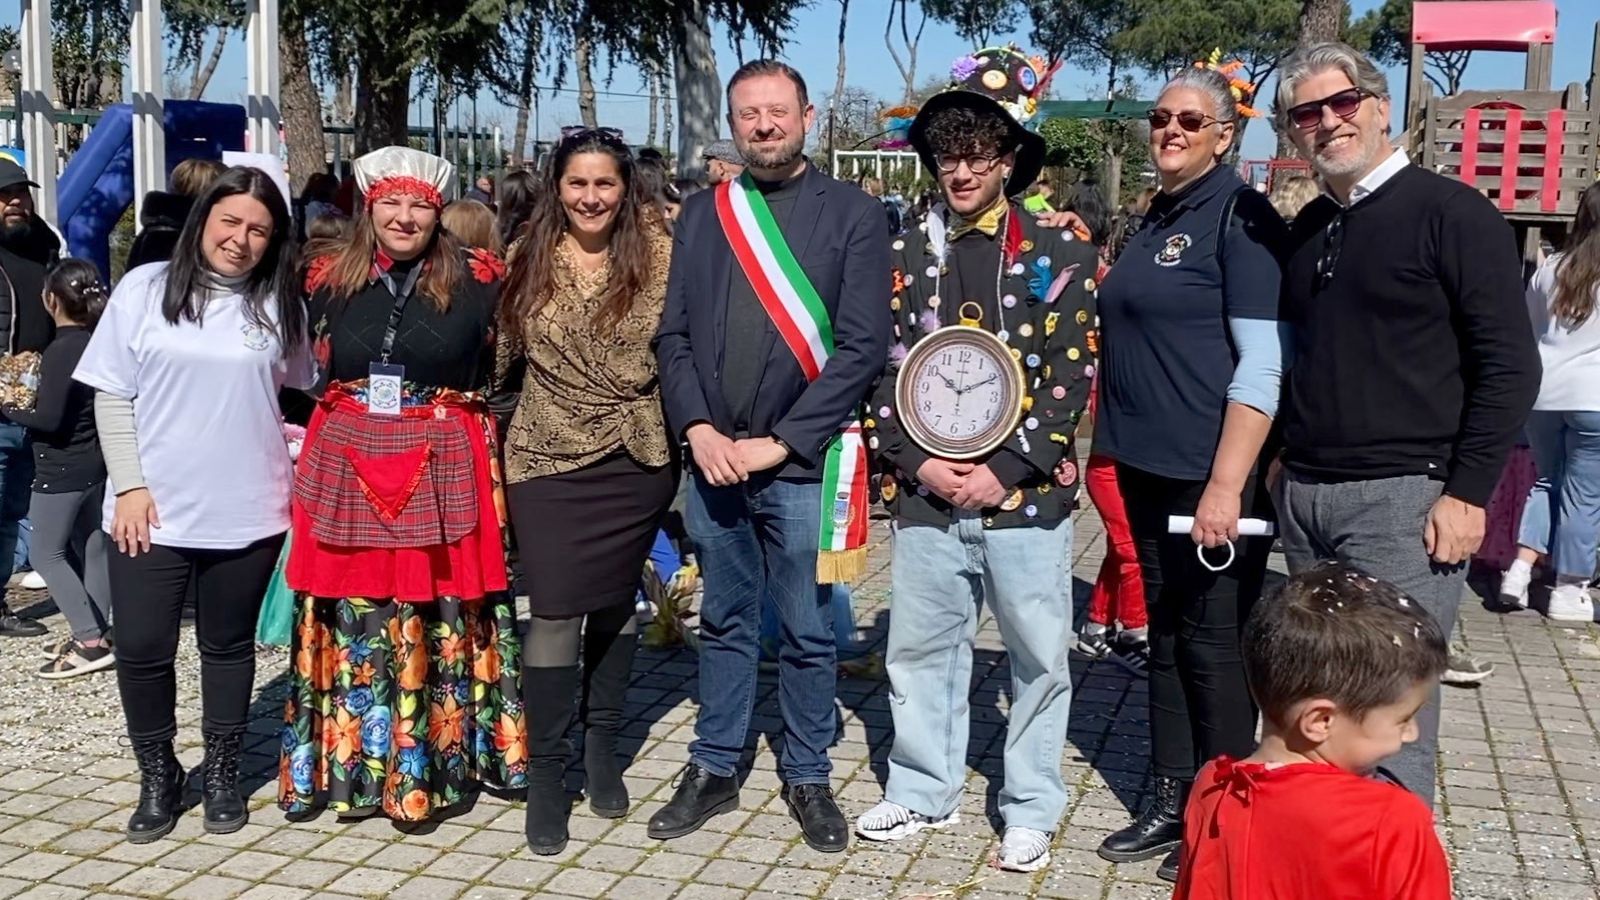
131,523
1216,519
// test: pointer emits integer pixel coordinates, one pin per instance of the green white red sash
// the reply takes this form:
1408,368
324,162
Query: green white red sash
802,321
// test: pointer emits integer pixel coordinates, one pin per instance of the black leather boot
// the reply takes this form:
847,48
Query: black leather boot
608,666
160,792
1168,870
821,823
548,698
700,796
1157,830
226,811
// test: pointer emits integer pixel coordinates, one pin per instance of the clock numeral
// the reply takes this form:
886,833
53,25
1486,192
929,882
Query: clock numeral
966,356
946,360
994,396
930,371
927,406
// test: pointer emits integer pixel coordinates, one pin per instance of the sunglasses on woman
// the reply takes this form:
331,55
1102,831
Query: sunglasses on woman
1189,120
604,134
1344,105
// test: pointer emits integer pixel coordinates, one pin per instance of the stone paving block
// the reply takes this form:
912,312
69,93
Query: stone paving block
52,892
252,865
522,873
151,880
848,886
310,873
275,892
196,857
211,887
427,887
732,873
638,887
581,883
37,866
92,873
365,881
802,882
479,892
709,892
611,858
670,865
1071,887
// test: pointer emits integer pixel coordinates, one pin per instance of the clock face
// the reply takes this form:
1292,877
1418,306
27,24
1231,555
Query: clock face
959,393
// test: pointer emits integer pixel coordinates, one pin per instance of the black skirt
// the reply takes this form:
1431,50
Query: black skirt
583,536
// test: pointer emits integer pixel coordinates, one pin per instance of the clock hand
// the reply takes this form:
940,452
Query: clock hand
972,387
948,382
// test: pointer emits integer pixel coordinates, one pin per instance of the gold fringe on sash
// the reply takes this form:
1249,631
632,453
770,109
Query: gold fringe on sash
841,566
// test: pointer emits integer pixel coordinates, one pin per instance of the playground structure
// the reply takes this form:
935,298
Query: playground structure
1530,151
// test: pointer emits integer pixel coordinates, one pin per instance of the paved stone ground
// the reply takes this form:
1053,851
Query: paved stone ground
1520,810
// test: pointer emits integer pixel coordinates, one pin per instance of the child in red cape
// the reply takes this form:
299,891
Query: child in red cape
1339,663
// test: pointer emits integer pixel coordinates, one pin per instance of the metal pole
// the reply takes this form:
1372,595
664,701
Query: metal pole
37,107
149,136
263,79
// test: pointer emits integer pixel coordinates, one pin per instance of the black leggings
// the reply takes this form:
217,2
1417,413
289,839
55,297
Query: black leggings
147,593
1200,705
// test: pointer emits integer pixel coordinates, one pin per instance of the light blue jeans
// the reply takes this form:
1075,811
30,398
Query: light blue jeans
1562,515
941,578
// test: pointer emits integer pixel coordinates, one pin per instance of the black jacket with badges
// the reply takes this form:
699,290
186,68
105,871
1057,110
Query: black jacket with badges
1036,288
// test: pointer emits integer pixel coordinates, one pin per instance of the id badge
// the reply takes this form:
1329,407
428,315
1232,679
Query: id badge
384,383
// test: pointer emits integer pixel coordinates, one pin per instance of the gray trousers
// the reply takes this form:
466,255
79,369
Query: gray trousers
69,552
1377,527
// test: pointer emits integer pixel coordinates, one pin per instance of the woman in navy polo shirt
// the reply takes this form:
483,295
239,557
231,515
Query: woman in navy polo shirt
1189,385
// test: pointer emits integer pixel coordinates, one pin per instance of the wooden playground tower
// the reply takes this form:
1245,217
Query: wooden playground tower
1530,151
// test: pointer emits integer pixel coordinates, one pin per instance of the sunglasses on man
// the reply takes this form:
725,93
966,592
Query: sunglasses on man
1190,120
1344,104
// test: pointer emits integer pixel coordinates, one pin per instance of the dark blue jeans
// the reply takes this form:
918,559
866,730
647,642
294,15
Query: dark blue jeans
757,542
16,489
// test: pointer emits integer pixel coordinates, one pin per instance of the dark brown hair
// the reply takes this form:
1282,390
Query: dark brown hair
758,67
1335,633
351,270
75,285
532,277
963,131
1578,272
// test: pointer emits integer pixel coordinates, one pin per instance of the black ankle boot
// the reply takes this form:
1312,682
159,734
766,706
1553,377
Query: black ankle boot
160,792
226,811
549,696
605,685
1157,830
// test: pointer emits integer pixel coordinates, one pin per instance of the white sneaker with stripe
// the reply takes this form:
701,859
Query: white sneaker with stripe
893,822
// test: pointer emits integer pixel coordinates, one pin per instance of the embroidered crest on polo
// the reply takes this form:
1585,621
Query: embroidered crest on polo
1172,253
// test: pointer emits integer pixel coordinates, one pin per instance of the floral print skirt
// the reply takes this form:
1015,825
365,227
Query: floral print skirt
403,706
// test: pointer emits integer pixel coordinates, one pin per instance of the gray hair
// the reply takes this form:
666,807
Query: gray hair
1309,61
1214,86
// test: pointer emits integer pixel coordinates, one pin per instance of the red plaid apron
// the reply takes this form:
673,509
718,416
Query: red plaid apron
390,482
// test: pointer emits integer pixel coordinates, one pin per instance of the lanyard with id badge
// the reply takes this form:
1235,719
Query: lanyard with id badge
385,380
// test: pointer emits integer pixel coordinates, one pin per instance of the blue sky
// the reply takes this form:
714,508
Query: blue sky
812,50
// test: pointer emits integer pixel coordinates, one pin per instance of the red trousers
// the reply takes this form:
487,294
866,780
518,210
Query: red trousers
1119,591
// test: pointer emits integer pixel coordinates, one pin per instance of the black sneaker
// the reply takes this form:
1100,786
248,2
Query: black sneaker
1132,652
13,626
1093,644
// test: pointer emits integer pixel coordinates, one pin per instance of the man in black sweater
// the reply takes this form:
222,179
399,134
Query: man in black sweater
1414,364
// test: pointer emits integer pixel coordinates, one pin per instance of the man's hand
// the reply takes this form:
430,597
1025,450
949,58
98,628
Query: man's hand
981,490
1454,530
760,454
944,477
715,455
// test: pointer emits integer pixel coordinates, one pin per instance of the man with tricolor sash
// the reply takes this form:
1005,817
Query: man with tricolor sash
994,529
773,333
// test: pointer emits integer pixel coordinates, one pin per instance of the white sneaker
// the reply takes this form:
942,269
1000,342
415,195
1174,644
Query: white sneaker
1514,585
1024,850
893,822
1570,603
30,581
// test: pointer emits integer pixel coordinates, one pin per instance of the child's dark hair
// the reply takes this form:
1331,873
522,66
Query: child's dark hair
1335,633
75,283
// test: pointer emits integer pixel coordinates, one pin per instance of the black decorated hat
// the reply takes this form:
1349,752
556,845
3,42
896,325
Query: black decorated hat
1000,80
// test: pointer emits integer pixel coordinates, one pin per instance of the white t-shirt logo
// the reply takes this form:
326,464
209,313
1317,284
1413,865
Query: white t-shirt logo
256,337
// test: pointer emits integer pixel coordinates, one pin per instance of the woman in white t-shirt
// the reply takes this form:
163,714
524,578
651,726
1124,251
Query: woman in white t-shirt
187,363
1562,515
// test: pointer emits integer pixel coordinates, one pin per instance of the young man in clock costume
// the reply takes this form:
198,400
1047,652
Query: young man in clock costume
995,528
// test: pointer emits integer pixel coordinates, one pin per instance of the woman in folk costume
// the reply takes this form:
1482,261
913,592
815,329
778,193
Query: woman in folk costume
404,688
588,459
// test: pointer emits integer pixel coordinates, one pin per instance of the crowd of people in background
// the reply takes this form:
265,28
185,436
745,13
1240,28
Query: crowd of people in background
555,360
